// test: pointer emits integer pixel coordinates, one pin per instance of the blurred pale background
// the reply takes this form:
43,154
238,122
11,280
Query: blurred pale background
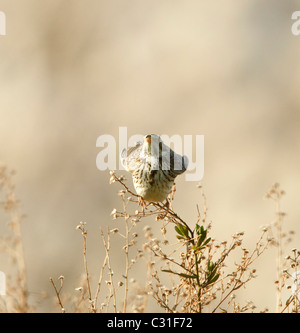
73,70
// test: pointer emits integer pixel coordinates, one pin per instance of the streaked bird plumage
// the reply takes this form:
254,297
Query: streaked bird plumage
154,167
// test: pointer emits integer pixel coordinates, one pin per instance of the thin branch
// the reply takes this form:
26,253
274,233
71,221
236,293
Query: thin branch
57,292
81,227
100,278
112,289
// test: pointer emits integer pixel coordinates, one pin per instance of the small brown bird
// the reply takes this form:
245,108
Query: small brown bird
153,166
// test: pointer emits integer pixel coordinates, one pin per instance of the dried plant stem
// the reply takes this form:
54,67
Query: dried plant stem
14,247
174,215
275,193
203,282
288,302
100,277
199,293
86,265
238,282
126,263
278,224
111,283
20,263
57,292
126,249
165,208
83,230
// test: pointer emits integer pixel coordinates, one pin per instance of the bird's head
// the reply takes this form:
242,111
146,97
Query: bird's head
152,145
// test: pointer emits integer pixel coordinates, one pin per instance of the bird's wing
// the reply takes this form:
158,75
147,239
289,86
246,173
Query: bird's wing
130,158
174,162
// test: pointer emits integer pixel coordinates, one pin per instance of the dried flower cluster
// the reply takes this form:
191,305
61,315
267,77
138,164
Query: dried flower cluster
182,268
16,299
187,276
286,267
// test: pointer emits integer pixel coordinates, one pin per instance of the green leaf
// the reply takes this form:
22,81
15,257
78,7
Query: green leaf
182,230
178,230
180,237
198,229
201,233
210,265
206,242
214,279
180,274
202,237
214,271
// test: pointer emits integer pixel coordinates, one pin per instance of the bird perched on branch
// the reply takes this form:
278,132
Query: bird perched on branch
154,167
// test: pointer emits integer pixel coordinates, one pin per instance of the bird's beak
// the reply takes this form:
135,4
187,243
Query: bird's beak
148,139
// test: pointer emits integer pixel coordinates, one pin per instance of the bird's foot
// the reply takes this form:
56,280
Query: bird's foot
167,204
142,203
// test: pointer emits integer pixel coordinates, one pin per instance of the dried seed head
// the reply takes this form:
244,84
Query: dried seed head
163,230
112,179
